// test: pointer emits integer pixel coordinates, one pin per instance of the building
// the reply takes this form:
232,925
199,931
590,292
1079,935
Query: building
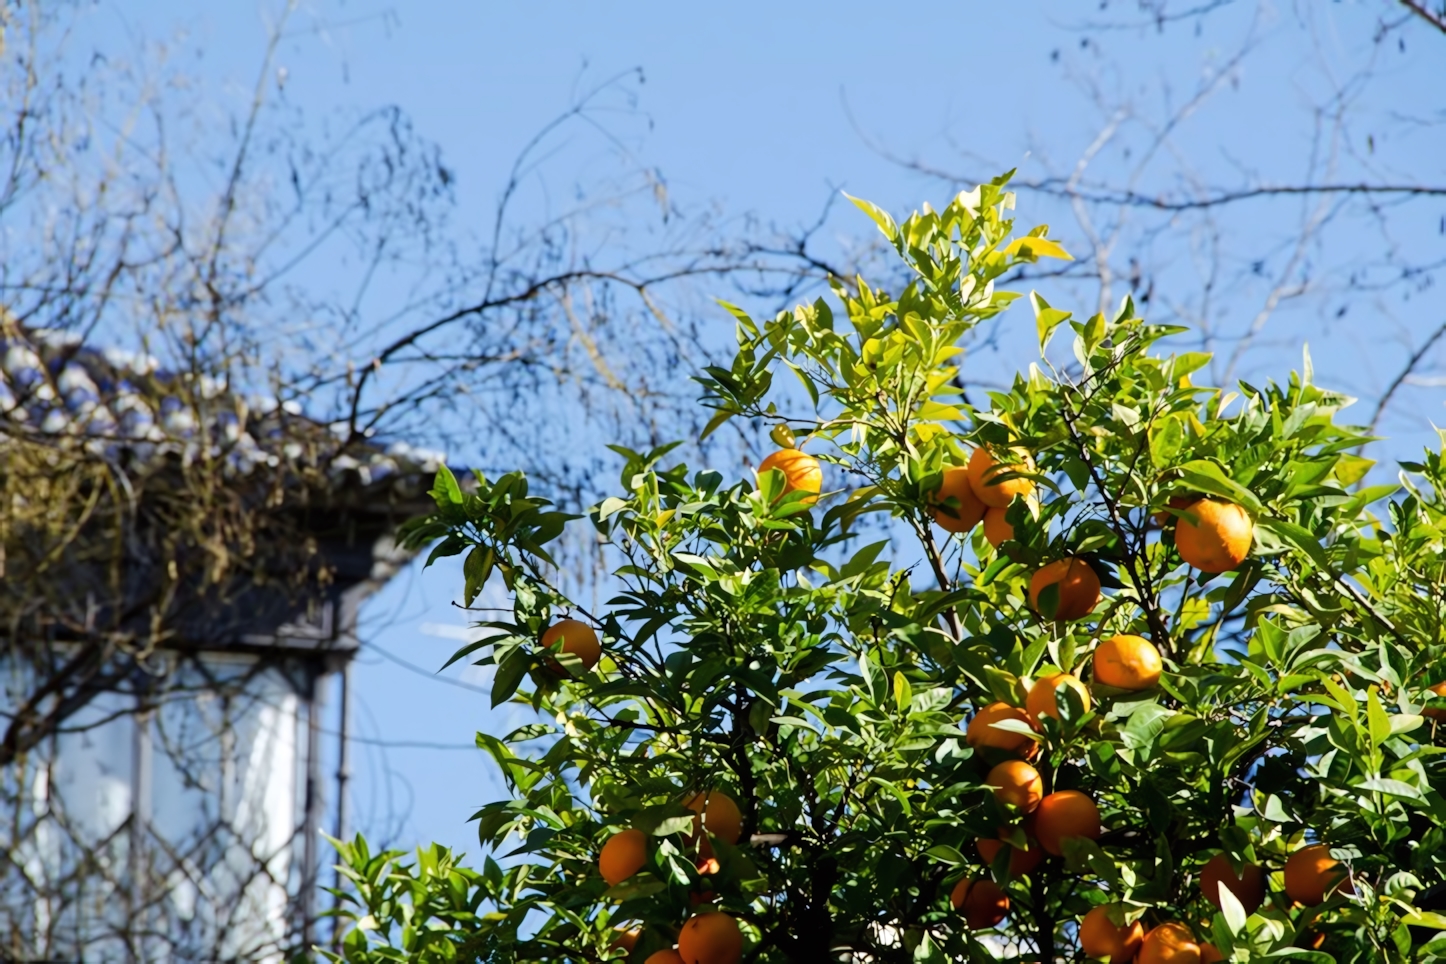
183,569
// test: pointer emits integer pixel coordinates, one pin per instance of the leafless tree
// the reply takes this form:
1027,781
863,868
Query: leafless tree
1340,249
211,323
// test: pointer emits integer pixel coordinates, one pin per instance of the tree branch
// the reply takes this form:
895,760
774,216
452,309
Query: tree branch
1400,379
1436,19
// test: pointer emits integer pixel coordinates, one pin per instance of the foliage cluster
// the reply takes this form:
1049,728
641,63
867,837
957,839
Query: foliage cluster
754,648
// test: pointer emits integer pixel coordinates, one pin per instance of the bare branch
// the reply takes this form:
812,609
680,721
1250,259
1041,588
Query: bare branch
1406,371
1436,18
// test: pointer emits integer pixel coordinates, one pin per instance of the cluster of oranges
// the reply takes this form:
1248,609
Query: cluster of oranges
1048,820
1311,874
710,936
1211,535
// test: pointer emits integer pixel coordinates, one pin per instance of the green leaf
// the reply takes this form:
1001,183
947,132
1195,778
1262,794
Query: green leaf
1205,476
879,215
1376,718
1233,911
719,417
1298,537
1350,469
1031,249
1167,439
509,676
1393,787
1046,319
946,854
903,693
475,570
1405,722
445,489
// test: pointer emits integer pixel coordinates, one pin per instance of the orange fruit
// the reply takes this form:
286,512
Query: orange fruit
800,472
623,855
710,938
669,956
1311,873
984,472
1079,588
1044,695
1127,662
983,903
1210,954
1062,815
1017,784
997,528
1438,690
578,639
1020,861
719,815
1248,887
969,510
1169,944
1101,937
1219,539
981,731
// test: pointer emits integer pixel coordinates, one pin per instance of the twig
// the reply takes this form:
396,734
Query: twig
1400,379
1435,19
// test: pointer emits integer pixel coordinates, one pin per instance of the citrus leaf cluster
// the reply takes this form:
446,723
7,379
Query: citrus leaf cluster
1171,701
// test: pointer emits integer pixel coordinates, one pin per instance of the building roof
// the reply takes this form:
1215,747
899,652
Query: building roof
129,410
125,403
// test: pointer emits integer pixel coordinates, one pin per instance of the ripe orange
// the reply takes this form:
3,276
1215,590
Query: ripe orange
1210,954
800,472
984,472
578,639
981,731
710,938
626,939
997,528
968,512
1219,539
1438,690
1248,887
1127,662
1169,944
669,956
1043,697
1101,937
1020,861
1079,588
623,855
1062,815
1017,784
719,814
983,903
1311,873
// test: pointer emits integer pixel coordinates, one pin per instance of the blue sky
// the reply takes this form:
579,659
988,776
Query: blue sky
763,110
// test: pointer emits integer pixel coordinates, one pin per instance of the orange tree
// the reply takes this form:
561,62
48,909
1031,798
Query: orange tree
1137,669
